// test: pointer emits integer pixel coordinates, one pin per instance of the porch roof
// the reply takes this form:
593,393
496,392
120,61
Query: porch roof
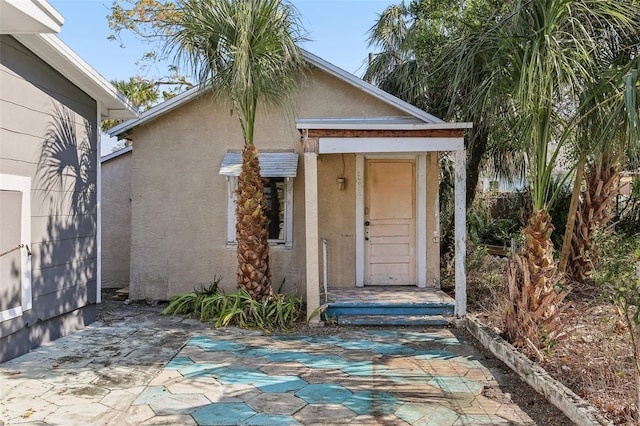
376,123
381,134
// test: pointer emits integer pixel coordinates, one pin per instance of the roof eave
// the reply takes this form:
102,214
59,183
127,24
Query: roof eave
29,17
155,112
52,50
390,124
116,153
163,108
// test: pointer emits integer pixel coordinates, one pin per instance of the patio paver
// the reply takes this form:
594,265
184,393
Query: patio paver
180,372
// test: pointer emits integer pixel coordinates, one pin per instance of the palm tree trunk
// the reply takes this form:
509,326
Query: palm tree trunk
594,213
477,149
538,251
571,216
254,274
532,320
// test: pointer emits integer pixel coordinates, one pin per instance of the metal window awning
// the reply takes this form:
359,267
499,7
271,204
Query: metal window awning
272,164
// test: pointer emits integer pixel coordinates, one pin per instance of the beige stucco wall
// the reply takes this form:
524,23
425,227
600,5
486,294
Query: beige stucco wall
116,220
337,213
179,201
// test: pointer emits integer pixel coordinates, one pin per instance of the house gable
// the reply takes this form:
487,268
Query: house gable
349,84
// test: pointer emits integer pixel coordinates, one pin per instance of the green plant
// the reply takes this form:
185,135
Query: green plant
188,303
559,209
238,308
486,283
494,220
618,275
628,212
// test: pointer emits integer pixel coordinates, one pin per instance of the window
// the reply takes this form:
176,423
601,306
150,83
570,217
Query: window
278,192
278,169
15,239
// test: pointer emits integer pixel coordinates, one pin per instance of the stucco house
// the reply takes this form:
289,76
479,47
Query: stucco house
345,163
116,218
51,106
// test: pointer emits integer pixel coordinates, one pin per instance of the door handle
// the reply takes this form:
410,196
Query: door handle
367,223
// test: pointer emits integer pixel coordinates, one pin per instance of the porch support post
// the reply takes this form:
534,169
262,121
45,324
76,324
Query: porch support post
311,227
432,238
460,233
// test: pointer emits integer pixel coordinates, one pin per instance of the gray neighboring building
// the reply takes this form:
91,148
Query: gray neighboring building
51,106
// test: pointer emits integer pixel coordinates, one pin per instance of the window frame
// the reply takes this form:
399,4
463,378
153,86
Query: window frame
287,242
21,184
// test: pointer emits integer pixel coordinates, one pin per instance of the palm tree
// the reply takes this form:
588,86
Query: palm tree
607,129
142,93
246,51
417,54
537,57
614,134
558,58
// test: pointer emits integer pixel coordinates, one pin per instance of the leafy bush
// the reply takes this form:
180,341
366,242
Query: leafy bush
618,275
189,303
486,281
238,308
628,211
495,220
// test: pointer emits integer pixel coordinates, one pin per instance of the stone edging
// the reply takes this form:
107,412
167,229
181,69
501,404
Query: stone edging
574,407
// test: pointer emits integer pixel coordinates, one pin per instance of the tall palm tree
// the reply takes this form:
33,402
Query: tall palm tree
607,129
557,60
614,134
245,51
537,57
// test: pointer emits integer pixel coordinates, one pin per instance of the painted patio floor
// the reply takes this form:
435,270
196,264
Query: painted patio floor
136,367
372,376
385,295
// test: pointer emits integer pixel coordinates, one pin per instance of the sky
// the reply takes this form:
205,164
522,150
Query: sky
337,32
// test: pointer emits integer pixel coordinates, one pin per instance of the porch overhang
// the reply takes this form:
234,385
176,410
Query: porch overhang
375,136
382,135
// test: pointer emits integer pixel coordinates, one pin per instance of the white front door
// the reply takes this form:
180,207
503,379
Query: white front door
390,223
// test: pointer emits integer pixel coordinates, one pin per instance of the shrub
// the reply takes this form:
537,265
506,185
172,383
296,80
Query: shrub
618,275
238,308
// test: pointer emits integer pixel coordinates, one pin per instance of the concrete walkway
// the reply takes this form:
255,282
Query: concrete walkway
135,367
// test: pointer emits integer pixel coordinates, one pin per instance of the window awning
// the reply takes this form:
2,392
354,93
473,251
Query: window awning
272,164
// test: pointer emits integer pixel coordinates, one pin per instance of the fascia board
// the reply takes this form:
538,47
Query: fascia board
156,111
58,55
29,17
116,154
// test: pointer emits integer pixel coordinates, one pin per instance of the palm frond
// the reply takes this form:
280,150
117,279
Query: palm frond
244,49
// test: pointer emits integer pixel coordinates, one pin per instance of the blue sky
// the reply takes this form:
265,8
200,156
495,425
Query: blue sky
337,32
337,29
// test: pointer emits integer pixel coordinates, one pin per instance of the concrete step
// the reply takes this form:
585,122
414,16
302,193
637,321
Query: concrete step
400,309
434,320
